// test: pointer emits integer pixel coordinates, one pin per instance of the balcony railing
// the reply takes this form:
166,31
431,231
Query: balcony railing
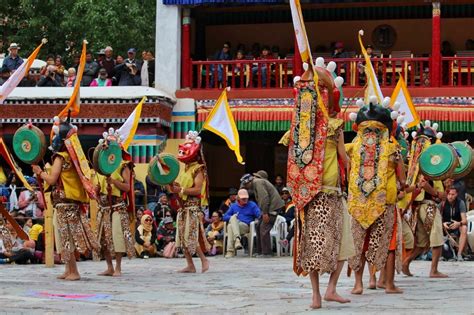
278,73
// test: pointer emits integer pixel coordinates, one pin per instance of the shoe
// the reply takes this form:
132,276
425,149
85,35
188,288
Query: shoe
238,244
229,255
460,258
4,261
146,257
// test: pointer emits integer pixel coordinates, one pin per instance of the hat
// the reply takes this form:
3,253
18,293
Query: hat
108,48
13,46
339,45
247,178
161,195
148,212
232,191
243,194
285,189
167,220
101,52
262,174
132,50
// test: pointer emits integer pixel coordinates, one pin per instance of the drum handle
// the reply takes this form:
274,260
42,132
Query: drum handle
160,168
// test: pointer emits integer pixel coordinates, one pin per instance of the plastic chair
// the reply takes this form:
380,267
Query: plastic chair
279,232
251,235
470,229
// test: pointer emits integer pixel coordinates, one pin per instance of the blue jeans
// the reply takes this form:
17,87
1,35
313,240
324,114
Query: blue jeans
263,70
220,73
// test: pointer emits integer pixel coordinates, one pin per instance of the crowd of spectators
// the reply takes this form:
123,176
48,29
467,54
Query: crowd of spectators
101,69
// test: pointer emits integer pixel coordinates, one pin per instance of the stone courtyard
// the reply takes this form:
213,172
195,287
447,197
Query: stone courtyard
232,286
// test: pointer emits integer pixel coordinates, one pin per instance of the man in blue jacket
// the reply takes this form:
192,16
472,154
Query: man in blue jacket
239,216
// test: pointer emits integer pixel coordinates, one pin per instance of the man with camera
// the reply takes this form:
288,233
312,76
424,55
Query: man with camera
128,73
50,78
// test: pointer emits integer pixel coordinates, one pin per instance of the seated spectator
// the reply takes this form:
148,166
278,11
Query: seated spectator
162,208
139,215
225,205
4,75
71,78
12,193
139,191
215,233
289,215
153,193
167,214
36,229
145,237
454,219
50,79
60,69
239,216
166,235
239,77
102,79
128,72
223,54
262,68
90,70
27,226
339,51
17,250
31,204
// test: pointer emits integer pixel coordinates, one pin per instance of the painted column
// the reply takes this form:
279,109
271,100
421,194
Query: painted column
186,49
436,46
297,62
168,47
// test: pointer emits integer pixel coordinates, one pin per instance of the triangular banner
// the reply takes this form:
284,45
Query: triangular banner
129,127
373,86
407,109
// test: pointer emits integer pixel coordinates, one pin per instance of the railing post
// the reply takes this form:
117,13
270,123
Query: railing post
186,49
436,46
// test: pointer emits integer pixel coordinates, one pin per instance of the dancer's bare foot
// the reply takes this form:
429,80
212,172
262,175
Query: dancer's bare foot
381,285
372,283
63,276
406,270
108,272
73,277
438,274
358,289
117,273
334,297
188,270
205,266
393,290
316,303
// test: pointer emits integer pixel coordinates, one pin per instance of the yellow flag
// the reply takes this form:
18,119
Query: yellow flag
407,109
221,122
75,102
373,87
11,162
129,127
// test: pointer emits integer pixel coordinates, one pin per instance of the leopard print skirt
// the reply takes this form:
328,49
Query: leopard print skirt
321,234
190,232
106,226
373,242
74,231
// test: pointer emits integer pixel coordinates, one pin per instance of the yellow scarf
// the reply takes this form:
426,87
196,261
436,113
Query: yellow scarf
186,180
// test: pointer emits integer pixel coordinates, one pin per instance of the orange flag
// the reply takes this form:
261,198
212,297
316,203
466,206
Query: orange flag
74,102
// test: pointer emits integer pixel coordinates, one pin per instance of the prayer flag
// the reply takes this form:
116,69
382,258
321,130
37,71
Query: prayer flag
373,87
221,122
19,73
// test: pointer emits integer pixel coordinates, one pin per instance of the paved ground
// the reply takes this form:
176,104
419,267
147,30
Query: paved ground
232,286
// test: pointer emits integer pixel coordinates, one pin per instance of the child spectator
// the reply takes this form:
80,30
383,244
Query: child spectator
102,79
166,234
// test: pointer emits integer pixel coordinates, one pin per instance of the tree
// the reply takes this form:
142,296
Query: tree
65,23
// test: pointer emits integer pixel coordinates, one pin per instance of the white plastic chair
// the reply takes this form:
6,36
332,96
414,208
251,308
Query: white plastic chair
279,232
291,241
470,229
251,235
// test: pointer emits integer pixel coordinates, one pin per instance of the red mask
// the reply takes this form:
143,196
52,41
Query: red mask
188,151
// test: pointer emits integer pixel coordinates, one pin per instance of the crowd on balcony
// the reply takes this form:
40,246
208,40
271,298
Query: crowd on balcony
103,68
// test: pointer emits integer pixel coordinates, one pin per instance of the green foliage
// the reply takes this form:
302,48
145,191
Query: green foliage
65,23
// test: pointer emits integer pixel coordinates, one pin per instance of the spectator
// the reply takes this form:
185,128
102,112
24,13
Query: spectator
225,205
150,69
166,235
153,193
102,79
139,215
262,68
238,67
90,70
215,233
144,70
12,61
256,50
270,203
13,197
4,75
289,216
454,219
279,183
223,54
60,69
76,61
145,237
339,51
108,62
370,51
28,80
239,216
27,226
20,253
139,189
31,203
128,73
49,62
167,214
119,60
36,230
71,78
100,56
50,79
